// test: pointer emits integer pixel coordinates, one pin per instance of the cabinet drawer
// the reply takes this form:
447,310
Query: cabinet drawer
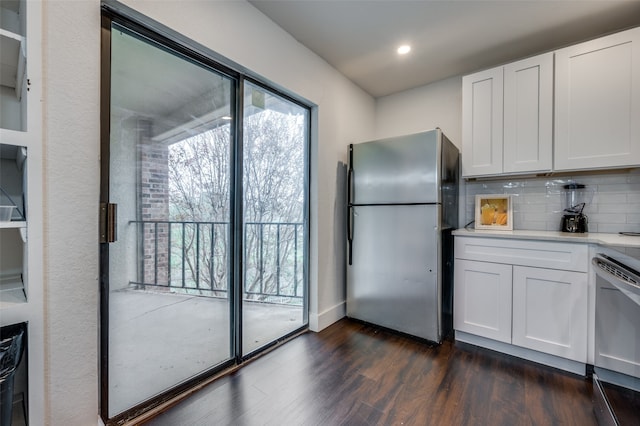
539,254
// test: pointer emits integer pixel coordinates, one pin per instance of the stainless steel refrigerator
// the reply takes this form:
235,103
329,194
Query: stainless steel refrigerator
403,205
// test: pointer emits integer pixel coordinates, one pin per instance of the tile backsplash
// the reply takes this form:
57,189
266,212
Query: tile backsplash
538,202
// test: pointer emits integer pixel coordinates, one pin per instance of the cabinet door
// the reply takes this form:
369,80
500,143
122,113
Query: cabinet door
482,299
482,123
528,114
598,103
550,311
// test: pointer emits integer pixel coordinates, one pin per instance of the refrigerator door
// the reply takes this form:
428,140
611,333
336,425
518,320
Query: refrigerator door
394,279
397,170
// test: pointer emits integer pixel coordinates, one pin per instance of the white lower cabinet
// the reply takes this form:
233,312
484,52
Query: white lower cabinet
482,297
506,291
550,311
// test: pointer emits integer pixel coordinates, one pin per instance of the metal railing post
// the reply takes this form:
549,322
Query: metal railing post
278,259
169,254
295,259
261,256
184,226
197,256
155,253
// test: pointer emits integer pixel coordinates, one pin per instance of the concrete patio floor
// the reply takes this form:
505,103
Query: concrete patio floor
158,339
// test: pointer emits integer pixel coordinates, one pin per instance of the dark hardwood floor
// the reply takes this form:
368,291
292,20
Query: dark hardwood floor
357,374
625,403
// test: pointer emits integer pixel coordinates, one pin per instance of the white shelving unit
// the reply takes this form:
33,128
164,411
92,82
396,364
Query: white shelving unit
13,65
13,233
21,263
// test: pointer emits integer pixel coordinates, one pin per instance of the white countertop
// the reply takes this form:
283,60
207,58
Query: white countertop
610,240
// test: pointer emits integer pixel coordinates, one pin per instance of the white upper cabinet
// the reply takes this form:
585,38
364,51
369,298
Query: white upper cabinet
482,103
507,118
528,115
597,121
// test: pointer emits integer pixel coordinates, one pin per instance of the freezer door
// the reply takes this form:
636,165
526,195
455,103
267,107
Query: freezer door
394,277
396,170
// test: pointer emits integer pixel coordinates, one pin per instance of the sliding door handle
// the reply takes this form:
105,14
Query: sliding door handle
108,222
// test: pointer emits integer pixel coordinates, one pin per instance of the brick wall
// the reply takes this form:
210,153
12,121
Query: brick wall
154,205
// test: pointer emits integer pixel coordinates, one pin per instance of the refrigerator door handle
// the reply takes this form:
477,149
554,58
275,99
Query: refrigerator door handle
349,186
350,207
350,235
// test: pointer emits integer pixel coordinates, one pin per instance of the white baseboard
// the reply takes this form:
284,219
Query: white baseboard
571,366
318,322
619,379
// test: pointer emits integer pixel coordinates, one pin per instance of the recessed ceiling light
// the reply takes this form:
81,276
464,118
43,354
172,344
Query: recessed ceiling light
226,117
404,49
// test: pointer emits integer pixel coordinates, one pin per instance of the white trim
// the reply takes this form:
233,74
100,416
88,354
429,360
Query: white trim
618,379
318,322
528,354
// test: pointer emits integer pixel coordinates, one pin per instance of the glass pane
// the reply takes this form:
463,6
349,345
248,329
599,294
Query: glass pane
170,144
274,175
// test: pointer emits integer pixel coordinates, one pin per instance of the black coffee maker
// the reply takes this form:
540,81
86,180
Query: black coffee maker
573,219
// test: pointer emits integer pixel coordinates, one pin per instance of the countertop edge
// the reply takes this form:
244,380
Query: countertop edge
603,239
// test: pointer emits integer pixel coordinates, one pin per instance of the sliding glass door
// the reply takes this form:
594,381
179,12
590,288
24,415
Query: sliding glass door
275,140
170,150
204,206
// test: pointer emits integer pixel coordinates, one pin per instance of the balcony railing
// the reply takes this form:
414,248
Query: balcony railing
193,257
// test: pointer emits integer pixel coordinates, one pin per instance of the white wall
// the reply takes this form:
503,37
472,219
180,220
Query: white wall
71,133
71,61
435,105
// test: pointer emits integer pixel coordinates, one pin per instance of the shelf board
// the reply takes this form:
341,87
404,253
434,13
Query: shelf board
19,225
12,292
12,297
14,137
14,308
13,225
12,60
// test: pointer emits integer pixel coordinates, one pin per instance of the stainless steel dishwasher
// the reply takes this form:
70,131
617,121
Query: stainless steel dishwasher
617,335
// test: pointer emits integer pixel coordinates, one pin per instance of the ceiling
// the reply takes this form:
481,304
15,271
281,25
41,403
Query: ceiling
448,37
